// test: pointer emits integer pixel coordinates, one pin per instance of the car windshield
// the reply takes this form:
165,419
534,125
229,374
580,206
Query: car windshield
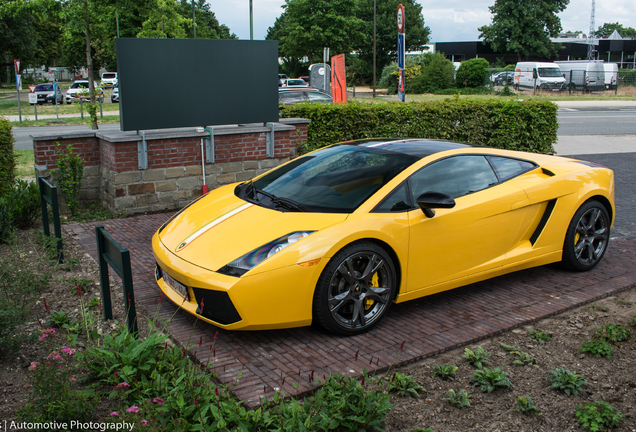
550,72
79,85
109,76
336,179
44,87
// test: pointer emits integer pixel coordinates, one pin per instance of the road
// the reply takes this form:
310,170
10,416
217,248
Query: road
597,121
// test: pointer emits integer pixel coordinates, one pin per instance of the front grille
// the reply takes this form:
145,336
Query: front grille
217,306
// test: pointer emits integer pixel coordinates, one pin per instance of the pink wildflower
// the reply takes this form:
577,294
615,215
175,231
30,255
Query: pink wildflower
200,341
78,289
34,365
114,413
158,401
71,379
216,335
123,385
48,311
216,391
144,422
44,336
133,409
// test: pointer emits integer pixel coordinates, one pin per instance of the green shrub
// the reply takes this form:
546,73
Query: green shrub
540,336
445,371
436,75
632,322
471,72
69,176
566,381
404,385
520,358
461,399
489,379
6,221
24,203
514,125
7,158
597,416
598,348
478,358
466,91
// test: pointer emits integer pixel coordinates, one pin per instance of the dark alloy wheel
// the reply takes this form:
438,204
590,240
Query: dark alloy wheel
587,237
355,289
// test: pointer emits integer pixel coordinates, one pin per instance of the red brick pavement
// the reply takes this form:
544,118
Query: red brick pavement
426,326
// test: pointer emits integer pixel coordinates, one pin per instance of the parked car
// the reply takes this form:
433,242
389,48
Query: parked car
109,79
305,78
500,78
586,75
293,95
335,237
114,96
295,82
78,89
546,76
43,91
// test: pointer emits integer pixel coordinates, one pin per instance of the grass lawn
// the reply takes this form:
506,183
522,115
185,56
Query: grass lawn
11,108
65,120
24,163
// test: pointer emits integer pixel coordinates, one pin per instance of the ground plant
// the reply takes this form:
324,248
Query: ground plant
477,358
460,399
404,385
520,358
598,348
540,336
488,380
598,416
69,175
612,333
444,371
566,381
526,406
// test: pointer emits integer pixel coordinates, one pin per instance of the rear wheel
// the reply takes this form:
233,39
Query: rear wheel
355,289
587,237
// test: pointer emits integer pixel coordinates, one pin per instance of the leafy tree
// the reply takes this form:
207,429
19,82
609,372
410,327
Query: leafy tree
417,32
607,29
307,26
438,74
18,36
524,26
471,72
165,21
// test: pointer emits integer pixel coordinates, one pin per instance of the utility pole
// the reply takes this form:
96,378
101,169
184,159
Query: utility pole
194,25
251,22
590,46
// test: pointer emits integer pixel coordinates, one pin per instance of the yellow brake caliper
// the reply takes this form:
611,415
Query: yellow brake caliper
374,283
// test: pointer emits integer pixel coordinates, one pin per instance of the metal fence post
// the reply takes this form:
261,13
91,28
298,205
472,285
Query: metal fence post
48,194
104,283
570,83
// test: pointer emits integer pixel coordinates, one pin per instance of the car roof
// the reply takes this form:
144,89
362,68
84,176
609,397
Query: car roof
413,147
300,88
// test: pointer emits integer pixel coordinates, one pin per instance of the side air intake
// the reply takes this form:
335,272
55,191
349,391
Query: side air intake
542,223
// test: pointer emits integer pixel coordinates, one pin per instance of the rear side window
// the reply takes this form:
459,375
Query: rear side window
291,97
507,168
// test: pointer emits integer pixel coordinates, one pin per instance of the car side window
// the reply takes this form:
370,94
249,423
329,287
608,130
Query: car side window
316,97
292,97
455,176
397,201
507,168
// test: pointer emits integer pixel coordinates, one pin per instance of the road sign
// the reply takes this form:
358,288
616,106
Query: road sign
400,19
32,88
18,82
33,98
401,50
17,66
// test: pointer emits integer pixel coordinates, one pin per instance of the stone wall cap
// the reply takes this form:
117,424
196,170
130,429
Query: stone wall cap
294,120
118,136
50,136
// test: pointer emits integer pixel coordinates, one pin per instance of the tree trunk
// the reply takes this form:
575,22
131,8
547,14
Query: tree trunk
7,59
89,65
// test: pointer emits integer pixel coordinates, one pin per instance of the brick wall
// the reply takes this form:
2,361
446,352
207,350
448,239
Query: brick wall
174,175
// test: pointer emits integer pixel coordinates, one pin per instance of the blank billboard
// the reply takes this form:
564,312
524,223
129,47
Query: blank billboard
170,83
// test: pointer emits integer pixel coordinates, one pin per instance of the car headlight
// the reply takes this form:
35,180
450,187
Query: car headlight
260,254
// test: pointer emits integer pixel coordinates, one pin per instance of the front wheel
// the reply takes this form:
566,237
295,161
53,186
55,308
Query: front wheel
355,289
587,237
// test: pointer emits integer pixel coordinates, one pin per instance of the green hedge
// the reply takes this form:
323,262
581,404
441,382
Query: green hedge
7,159
528,126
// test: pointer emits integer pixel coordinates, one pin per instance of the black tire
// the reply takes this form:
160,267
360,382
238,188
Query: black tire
587,237
349,304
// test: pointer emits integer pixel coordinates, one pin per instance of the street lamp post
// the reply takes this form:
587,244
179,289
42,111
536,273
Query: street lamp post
251,22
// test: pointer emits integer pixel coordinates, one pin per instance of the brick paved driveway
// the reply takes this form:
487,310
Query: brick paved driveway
426,326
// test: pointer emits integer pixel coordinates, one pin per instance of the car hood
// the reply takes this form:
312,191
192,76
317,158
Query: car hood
220,227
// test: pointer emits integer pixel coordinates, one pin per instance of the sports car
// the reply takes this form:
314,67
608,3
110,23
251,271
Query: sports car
335,237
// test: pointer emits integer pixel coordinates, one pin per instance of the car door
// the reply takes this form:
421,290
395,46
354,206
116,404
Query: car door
470,238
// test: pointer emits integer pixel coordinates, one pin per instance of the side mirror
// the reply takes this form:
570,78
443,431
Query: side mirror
432,200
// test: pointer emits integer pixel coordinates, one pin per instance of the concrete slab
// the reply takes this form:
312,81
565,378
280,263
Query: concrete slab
595,144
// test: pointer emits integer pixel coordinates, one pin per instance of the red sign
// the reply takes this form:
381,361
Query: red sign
400,18
401,82
32,88
17,66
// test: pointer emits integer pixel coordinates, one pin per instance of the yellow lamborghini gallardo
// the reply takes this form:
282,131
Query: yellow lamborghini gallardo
338,235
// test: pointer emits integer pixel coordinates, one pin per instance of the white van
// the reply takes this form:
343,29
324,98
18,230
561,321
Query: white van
109,79
546,76
611,75
587,75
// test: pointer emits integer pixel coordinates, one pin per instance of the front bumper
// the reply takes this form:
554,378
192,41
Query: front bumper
276,299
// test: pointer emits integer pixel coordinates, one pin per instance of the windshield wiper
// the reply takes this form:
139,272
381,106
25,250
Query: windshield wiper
287,203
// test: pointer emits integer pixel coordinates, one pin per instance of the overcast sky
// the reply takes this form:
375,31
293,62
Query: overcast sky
450,20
